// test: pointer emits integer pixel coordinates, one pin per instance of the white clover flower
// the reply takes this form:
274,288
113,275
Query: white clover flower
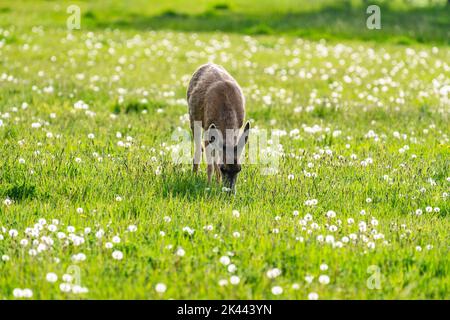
132,228
180,252
76,289
273,273
236,214
91,136
223,282
160,288
65,287
331,214
99,234
116,239
225,260
277,290
323,267
309,279
7,202
333,228
118,198
324,279
22,293
362,226
117,255
418,248
5,258
236,234
78,257
13,233
67,278
295,286
338,244
80,210
27,293
232,268
18,293
51,277
188,230
234,280
108,245
313,296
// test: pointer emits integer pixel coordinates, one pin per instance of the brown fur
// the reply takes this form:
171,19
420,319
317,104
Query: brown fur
216,100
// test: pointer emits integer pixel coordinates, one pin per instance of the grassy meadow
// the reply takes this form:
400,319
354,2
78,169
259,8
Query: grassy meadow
92,205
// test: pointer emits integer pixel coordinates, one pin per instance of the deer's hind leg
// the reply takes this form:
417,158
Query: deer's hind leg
197,134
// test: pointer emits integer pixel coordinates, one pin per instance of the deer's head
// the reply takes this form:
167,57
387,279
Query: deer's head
229,150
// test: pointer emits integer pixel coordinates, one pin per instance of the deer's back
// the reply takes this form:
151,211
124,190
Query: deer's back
214,96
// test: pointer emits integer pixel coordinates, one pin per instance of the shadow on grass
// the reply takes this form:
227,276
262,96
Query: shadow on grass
189,186
20,191
342,21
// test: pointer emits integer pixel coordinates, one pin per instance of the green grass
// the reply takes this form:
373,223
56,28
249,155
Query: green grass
403,22
138,89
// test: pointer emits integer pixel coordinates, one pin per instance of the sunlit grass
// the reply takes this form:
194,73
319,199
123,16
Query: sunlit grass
86,121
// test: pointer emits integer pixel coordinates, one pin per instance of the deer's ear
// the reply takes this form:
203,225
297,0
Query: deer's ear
214,136
211,136
246,132
244,138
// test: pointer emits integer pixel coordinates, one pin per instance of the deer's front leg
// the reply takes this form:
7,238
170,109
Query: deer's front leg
217,170
209,160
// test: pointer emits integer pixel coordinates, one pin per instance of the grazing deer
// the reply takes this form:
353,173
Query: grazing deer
216,105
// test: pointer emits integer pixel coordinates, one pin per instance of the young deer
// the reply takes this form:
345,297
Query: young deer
216,104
